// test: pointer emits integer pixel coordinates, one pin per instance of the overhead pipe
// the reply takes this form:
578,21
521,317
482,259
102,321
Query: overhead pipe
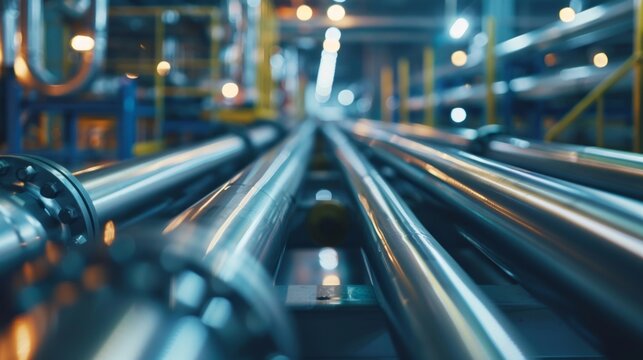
29,61
589,26
212,264
8,27
615,171
576,249
42,201
436,309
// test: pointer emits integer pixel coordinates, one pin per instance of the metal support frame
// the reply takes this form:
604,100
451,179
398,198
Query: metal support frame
637,89
429,86
386,91
403,75
490,71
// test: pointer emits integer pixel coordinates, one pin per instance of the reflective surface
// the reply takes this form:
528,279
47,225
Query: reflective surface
121,189
579,250
436,309
237,231
611,170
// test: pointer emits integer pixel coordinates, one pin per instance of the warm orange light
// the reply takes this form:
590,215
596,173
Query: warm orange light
163,68
336,12
304,12
109,234
82,43
230,90
131,76
459,58
550,59
600,60
567,14
331,280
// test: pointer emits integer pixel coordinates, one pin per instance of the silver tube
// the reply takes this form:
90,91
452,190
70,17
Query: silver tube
437,310
578,250
29,68
615,171
119,189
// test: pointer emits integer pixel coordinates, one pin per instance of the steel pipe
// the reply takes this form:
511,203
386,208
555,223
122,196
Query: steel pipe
578,250
437,310
614,171
74,209
119,189
212,264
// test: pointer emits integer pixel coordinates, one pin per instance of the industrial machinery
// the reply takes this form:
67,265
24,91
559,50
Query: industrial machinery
443,265
251,215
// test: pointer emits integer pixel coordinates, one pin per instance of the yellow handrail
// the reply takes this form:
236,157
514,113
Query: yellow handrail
590,98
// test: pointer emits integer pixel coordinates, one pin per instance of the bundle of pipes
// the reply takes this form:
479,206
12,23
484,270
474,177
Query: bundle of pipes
577,249
42,202
202,288
438,312
610,170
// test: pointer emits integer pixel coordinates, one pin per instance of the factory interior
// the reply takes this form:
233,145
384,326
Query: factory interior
321,179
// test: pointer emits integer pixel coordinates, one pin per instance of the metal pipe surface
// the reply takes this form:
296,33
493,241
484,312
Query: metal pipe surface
245,216
615,171
124,187
437,310
578,250
237,231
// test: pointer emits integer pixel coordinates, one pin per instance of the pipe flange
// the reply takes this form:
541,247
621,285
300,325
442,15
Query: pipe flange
57,191
234,299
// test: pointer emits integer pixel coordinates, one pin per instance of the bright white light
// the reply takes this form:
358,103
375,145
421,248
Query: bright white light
458,115
323,195
459,28
567,14
346,97
131,76
325,76
277,61
230,90
304,12
336,12
331,45
82,43
333,33
600,60
163,68
328,258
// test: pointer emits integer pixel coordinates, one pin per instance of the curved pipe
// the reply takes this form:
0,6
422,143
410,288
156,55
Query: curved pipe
578,250
28,65
437,310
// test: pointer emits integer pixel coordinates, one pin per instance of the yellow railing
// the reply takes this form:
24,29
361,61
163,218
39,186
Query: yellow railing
596,96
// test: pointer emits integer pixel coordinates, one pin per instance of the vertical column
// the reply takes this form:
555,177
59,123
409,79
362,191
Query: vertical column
159,80
386,91
127,120
637,136
70,120
429,85
490,72
403,75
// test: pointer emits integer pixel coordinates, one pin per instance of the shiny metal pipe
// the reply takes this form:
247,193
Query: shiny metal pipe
237,231
614,171
42,201
577,249
437,310
123,188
